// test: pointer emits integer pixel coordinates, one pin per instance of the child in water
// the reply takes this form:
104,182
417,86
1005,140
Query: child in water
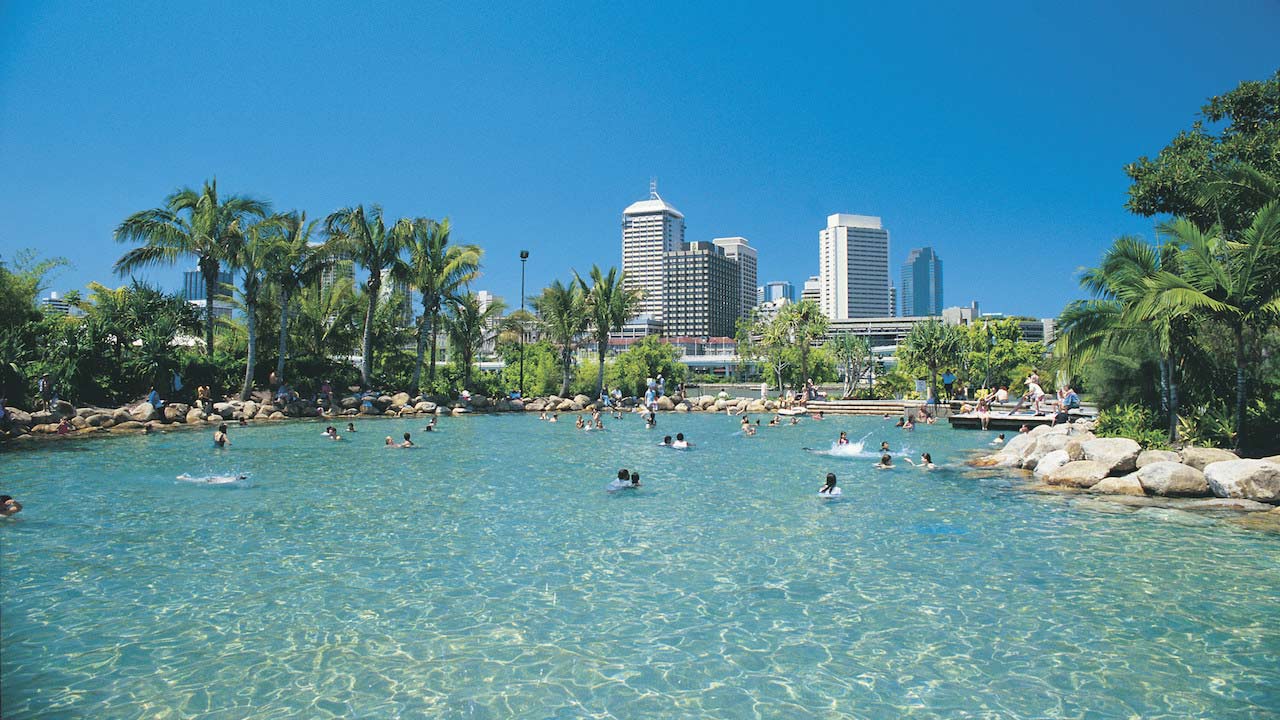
220,437
844,439
999,439
884,446
886,462
666,441
680,443
407,442
926,462
830,487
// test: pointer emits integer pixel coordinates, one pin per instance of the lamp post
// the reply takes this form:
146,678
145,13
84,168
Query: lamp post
524,257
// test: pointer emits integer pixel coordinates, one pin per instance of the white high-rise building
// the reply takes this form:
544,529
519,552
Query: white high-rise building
649,229
812,290
853,266
736,248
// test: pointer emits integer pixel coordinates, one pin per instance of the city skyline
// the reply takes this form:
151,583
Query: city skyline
998,140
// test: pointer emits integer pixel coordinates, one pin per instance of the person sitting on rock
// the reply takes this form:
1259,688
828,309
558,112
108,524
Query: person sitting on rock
153,397
64,427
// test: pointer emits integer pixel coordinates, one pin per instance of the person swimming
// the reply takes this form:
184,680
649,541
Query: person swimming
886,462
926,462
775,421
220,437
351,427
635,480
666,441
908,425
332,433
680,443
830,488
884,446
8,506
389,442
795,421
650,421
843,439
579,424
431,424
900,423
555,417
999,439
407,442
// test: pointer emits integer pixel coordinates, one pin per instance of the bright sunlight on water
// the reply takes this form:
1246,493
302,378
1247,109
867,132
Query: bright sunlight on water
487,574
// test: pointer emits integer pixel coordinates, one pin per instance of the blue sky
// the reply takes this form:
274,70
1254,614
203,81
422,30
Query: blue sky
994,133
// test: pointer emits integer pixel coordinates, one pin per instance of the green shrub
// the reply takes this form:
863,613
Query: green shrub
1131,421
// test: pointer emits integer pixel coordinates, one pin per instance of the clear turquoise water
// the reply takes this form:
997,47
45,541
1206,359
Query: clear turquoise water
488,575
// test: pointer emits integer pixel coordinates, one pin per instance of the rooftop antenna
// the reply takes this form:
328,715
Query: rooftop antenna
653,189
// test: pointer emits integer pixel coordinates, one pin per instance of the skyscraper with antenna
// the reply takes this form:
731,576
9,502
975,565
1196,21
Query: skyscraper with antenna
649,229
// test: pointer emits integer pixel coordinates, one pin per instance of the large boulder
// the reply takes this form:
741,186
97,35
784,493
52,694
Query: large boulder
1051,461
1119,454
131,425
1198,457
1019,445
64,409
721,404
1172,479
370,409
425,407
99,420
535,405
176,412
665,404
20,418
582,400
400,399
225,409
1081,474
567,406
1146,457
1125,485
196,415
480,402
1250,479
44,417
144,412
350,402
250,409
121,415
516,405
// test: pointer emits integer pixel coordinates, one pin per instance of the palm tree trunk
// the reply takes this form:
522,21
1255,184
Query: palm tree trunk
284,332
366,345
210,287
1173,402
431,366
600,371
1240,386
422,349
251,311
1164,387
566,359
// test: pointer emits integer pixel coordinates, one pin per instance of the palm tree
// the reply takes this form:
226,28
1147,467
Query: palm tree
1235,282
610,304
295,264
562,309
799,325
467,326
1110,324
853,352
930,344
365,239
196,224
326,318
439,271
252,252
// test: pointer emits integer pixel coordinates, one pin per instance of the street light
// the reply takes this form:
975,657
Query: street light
524,257
991,343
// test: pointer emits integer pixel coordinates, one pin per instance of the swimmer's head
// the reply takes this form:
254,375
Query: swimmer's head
666,440
222,428
831,479
885,459
390,441
635,478
406,436
680,436
623,474
926,457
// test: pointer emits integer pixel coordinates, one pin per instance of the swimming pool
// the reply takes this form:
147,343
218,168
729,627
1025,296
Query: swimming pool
487,574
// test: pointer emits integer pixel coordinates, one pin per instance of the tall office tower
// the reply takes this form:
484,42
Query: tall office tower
485,299
193,287
649,229
922,283
777,290
853,264
334,269
893,301
389,288
55,304
812,290
760,295
702,292
737,249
